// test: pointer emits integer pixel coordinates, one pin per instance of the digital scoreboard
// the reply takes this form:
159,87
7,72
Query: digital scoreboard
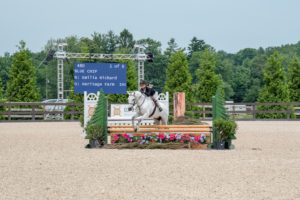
91,77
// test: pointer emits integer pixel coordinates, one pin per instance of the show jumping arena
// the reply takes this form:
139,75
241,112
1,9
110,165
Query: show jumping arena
48,161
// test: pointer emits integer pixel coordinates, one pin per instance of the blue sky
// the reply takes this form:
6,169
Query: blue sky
228,25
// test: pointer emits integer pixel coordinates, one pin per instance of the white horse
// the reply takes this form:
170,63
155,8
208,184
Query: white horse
145,108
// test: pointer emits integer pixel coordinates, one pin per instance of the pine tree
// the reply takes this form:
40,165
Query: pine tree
172,47
275,87
208,81
196,45
178,78
22,83
294,80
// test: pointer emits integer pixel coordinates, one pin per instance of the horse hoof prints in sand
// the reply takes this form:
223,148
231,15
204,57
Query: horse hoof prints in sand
145,108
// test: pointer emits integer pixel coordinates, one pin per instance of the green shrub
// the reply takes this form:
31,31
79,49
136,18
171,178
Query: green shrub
225,129
189,114
170,119
95,132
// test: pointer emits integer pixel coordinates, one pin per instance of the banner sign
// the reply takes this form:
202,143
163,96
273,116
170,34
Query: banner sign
90,77
121,111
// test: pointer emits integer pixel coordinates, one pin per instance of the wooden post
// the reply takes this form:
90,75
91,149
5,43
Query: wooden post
253,111
179,104
33,112
73,110
233,109
9,110
203,114
44,110
288,112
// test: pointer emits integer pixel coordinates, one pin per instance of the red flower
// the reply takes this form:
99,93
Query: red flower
161,136
172,137
116,137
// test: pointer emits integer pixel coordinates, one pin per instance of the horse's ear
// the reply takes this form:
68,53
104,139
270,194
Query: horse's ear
130,93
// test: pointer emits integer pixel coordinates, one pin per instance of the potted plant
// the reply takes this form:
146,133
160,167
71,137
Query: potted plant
96,135
225,130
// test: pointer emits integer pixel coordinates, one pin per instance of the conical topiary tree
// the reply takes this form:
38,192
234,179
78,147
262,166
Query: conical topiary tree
100,115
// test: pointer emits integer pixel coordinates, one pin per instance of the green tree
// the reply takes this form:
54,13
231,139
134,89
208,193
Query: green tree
155,72
1,90
106,43
208,81
22,83
2,108
172,47
126,40
178,78
294,80
275,88
195,45
5,65
241,83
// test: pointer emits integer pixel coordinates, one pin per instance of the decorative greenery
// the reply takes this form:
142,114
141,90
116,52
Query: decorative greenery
100,119
225,129
136,145
189,114
170,119
95,132
158,138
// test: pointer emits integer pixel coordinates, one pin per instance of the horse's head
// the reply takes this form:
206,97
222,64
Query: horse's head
133,98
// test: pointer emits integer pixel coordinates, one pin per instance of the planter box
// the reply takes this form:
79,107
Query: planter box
220,145
95,143
199,146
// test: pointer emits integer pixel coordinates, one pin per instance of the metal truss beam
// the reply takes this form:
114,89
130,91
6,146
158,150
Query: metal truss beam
64,55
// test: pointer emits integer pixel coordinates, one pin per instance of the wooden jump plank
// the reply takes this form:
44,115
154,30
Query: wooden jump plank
142,133
159,130
161,126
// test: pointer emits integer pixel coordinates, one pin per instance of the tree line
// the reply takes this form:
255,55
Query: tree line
250,75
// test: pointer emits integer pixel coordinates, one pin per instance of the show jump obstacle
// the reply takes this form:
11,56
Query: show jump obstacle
120,130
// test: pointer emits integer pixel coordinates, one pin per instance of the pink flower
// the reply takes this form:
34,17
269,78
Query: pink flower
172,137
116,137
161,136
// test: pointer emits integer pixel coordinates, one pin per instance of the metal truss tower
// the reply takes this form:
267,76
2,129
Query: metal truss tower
60,55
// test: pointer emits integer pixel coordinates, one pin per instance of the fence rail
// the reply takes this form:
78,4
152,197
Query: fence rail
37,110
237,111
